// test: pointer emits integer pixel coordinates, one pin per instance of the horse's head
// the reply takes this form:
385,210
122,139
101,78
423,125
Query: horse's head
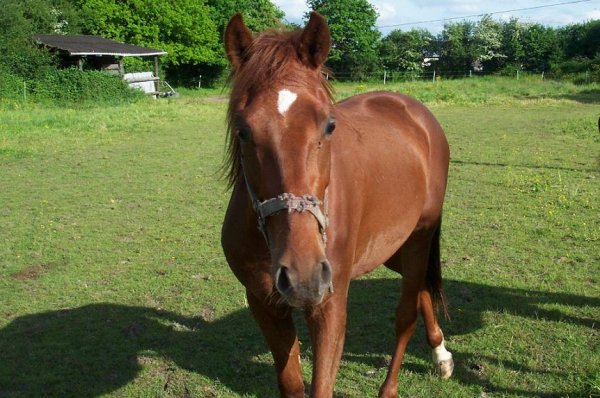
280,126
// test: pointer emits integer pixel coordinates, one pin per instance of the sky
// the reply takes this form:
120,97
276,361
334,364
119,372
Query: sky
410,11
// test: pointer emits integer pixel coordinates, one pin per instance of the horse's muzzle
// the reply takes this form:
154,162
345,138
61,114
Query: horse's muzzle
304,293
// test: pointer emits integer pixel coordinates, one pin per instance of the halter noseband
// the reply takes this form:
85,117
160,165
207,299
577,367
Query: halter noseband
290,202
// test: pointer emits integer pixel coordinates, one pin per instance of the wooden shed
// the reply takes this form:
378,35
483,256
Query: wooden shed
105,54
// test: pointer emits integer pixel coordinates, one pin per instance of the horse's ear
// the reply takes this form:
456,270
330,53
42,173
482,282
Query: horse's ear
314,41
237,40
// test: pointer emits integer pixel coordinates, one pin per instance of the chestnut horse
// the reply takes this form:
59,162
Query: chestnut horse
323,193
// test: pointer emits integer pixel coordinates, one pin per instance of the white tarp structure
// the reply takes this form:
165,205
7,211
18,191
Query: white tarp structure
141,80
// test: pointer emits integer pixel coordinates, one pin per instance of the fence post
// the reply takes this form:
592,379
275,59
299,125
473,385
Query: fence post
384,76
434,76
470,72
542,75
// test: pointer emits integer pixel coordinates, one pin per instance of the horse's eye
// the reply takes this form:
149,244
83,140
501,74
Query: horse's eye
243,134
330,126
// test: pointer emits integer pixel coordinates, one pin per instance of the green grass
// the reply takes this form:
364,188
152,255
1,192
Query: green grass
113,283
489,90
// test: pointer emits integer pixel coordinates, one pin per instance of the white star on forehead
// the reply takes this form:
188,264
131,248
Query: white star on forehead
285,100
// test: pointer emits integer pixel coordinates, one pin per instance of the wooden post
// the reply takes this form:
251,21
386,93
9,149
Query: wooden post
80,63
434,76
156,88
384,76
121,68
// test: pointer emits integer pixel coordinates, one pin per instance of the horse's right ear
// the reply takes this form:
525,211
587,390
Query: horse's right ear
237,40
315,41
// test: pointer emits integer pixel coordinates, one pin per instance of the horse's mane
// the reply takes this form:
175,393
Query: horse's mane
272,57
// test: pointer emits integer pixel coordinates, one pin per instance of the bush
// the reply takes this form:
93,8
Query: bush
70,86
570,66
11,85
510,70
578,70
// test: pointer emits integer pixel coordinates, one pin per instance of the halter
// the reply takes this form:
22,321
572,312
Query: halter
290,202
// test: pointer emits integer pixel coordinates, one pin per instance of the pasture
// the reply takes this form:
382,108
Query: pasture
113,282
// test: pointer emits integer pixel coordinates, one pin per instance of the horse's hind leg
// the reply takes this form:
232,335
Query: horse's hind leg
429,298
413,260
442,358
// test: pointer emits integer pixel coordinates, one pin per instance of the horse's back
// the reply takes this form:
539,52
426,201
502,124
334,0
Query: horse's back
401,113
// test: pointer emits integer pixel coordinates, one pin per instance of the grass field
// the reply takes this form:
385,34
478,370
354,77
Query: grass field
113,283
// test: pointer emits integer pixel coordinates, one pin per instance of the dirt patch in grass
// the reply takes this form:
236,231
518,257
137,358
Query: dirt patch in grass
31,272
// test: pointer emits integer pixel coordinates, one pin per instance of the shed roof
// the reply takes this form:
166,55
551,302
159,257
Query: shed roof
94,45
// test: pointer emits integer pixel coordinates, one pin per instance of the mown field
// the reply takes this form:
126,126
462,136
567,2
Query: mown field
113,283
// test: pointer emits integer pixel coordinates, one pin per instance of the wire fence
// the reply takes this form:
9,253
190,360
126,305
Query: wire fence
385,76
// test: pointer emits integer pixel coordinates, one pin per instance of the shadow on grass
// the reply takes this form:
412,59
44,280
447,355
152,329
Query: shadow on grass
591,96
523,166
95,349
98,348
371,325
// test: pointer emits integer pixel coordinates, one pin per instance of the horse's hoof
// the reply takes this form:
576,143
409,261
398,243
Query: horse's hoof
445,368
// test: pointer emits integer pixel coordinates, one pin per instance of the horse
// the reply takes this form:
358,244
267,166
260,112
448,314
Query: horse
324,192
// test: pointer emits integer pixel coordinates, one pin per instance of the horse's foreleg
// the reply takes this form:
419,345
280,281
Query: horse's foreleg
278,328
327,327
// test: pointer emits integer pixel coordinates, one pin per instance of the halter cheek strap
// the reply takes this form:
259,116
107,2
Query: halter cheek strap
289,202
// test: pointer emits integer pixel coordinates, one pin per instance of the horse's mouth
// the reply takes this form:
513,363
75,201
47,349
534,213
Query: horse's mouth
302,298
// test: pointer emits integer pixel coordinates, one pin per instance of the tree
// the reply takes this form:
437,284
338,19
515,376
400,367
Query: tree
258,14
404,51
540,47
512,42
354,37
580,51
581,40
487,43
20,21
183,28
456,47
190,31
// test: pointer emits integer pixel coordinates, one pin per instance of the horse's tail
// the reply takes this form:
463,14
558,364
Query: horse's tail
433,278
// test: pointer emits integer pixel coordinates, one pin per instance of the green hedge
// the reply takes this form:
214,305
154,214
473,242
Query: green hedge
11,85
579,70
67,86
74,86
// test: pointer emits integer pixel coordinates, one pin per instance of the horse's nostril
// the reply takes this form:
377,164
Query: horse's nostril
282,283
325,275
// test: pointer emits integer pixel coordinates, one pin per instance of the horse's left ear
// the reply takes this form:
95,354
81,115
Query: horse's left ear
237,40
314,41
